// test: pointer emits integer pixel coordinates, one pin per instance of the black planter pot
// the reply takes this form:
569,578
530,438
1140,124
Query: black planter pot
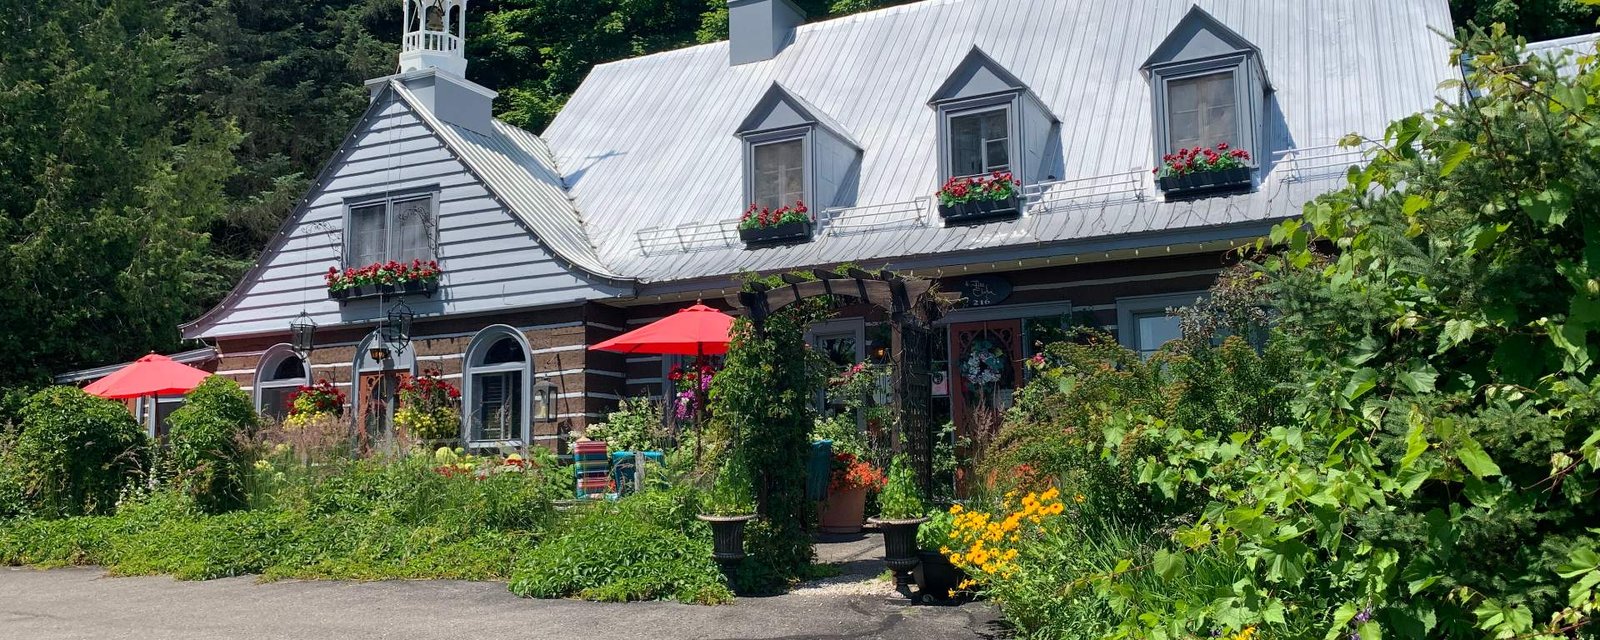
979,211
786,233
1208,183
426,289
900,548
936,577
727,537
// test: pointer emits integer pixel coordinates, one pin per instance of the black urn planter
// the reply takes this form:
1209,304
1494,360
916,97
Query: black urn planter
979,211
936,578
358,292
1208,183
900,548
727,537
785,233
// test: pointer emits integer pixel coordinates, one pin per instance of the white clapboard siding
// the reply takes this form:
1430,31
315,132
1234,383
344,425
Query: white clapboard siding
491,260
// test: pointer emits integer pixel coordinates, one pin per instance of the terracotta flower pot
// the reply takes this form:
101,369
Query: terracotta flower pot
842,511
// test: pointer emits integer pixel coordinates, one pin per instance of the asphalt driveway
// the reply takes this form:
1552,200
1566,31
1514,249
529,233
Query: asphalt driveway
83,603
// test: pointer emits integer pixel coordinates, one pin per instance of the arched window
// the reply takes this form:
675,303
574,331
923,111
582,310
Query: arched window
279,374
497,389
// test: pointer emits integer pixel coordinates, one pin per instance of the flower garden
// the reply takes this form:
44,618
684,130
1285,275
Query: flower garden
1380,423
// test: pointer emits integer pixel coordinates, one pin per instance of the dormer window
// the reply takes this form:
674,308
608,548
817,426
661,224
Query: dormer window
796,161
1202,111
1208,91
990,123
778,173
980,141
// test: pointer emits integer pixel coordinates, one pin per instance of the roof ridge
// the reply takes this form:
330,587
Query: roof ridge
591,263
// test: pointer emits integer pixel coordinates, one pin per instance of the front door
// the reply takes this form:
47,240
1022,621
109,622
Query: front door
379,391
986,369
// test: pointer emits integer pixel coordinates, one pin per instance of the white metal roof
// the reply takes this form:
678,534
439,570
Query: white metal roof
647,151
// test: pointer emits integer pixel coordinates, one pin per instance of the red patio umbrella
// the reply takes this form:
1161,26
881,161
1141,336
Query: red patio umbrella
152,375
698,330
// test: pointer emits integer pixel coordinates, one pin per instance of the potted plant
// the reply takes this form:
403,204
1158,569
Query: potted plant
900,513
937,578
974,199
1202,171
762,226
428,409
849,480
383,278
730,505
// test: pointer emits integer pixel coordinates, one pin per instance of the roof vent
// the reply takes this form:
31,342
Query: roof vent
759,29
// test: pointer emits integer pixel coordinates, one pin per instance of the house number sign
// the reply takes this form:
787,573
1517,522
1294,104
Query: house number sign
985,290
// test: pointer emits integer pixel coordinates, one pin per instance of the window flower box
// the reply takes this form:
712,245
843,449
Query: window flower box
1197,172
766,227
383,279
980,199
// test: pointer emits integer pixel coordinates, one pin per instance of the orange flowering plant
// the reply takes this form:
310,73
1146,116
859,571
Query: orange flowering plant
986,544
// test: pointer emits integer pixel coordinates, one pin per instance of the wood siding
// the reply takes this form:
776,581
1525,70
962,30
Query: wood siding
491,262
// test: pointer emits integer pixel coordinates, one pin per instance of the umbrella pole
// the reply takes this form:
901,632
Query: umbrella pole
699,406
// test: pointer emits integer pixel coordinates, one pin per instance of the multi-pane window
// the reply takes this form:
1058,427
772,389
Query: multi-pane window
497,381
397,229
980,142
779,173
1202,111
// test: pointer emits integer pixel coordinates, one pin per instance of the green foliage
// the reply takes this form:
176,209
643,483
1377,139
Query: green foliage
733,492
644,547
761,402
1532,19
107,185
336,520
75,452
206,443
1093,391
636,425
901,498
1437,477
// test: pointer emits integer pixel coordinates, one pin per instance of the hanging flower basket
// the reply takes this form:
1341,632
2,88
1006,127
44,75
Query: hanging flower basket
1197,172
979,199
384,278
765,227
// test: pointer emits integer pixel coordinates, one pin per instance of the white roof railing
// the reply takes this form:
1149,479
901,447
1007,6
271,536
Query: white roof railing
874,217
1058,195
705,236
1320,162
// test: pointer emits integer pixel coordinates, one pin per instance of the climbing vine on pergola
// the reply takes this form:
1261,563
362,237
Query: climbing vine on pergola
913,304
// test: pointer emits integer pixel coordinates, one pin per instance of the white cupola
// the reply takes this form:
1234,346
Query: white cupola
435,36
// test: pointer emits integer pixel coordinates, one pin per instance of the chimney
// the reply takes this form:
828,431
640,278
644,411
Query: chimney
759,29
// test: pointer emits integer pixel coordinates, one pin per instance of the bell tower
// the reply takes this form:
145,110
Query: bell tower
435,36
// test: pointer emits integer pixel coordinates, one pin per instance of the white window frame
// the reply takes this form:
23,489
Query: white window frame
791,134
1246,130
1011,140
389,200
1007,102
476,350
1131,308
270,359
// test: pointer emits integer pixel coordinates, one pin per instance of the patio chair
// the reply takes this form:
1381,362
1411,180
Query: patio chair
591,470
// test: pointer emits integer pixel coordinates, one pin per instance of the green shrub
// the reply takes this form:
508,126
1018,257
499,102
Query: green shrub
733,493
644,547
207,443
76,452
901,498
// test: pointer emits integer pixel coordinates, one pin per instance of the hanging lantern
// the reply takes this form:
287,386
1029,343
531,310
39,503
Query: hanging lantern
395,330
303,332
544,400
